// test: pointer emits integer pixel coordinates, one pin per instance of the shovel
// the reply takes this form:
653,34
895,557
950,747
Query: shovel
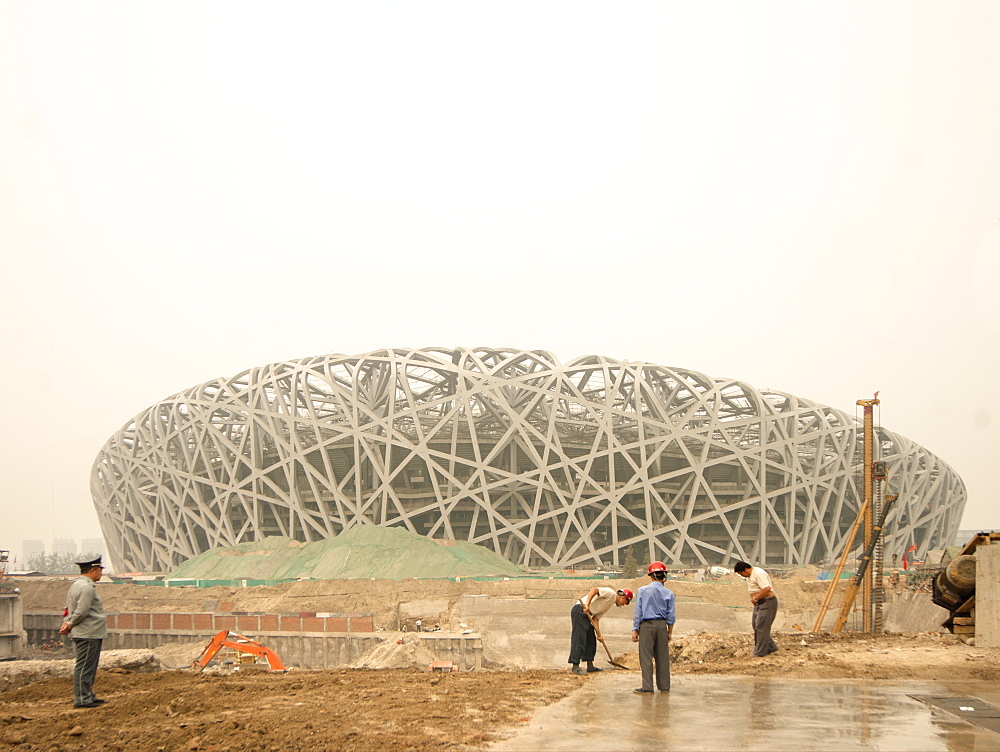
610,659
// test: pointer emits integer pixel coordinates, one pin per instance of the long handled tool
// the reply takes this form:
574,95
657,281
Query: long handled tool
610,659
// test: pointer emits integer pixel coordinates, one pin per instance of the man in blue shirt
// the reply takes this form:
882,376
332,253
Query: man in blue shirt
652,627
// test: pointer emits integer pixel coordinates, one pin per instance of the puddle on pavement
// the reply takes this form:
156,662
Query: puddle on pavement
745,713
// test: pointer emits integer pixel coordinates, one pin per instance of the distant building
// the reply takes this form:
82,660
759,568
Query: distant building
29,550
547,464
964,536
92,546
63,546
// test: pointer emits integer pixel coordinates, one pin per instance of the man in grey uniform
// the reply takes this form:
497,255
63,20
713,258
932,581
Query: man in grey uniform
87,624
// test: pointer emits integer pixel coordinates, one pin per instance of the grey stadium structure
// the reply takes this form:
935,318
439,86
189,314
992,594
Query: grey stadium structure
548,464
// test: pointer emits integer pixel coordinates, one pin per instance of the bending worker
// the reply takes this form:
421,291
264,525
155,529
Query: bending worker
652,627
586,616
765,607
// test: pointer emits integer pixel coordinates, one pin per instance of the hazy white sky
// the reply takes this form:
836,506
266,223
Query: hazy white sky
803,196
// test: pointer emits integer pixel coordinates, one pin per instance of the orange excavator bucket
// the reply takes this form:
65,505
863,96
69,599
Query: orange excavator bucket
239,643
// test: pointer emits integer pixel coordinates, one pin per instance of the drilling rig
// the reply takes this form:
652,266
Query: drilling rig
868,578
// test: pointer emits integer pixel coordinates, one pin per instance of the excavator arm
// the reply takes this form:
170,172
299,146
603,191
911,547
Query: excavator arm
226,639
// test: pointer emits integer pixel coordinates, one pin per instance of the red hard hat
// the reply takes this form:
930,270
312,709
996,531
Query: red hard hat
627,593
656,566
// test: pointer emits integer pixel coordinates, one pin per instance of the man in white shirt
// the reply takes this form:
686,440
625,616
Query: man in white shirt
765,607
586,617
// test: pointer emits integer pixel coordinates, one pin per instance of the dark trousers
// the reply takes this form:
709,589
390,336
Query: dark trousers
88,653
654,647
583,640
763,617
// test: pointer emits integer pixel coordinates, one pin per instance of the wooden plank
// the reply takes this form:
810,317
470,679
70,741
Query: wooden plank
967,606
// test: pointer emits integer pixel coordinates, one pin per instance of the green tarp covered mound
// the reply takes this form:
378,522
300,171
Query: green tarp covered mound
364,552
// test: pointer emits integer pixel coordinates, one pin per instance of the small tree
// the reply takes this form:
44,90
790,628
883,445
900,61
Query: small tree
58,563
630,567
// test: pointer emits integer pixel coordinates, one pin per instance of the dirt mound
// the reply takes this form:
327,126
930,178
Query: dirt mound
849,655
14,674
363,552
406,652
179,654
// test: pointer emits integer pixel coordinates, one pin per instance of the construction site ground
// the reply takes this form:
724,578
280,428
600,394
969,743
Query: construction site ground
398,709
150,708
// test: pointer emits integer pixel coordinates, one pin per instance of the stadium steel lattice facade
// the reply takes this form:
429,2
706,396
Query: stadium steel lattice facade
548,464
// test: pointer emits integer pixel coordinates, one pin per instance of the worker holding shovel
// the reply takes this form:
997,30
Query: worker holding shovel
586,616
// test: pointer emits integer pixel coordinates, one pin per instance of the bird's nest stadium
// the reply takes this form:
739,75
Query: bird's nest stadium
548,464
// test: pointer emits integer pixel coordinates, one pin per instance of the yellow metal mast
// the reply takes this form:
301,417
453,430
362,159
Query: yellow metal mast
848,545
869,501
863,570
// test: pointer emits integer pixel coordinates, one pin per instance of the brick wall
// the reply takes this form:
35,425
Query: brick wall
242,623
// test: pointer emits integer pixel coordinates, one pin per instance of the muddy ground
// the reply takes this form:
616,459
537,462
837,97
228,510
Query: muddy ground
307,710
402,709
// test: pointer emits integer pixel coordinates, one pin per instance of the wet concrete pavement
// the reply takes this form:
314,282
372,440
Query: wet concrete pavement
749,713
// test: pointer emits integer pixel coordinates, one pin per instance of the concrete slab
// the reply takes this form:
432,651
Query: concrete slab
747,713
988,596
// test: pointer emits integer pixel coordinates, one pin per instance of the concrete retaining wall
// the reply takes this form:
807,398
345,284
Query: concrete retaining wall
325,647
911,611
317,650
42,626
11,630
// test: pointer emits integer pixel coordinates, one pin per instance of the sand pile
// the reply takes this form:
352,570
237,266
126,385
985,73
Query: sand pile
405,652
710,647
363,552
177,655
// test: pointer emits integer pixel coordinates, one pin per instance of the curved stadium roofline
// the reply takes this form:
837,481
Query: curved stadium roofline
547,464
